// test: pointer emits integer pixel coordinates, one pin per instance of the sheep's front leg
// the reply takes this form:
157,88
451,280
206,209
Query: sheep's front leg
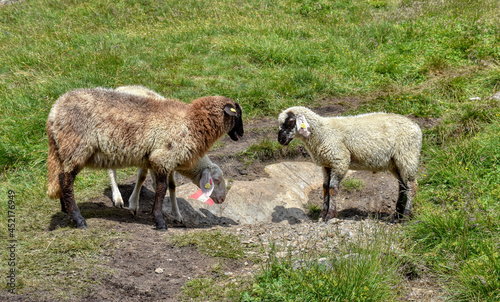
115,193
68,202
133,201
161,190
173,199
330,191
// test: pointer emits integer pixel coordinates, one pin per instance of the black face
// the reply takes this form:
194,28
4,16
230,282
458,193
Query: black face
237,132
287,130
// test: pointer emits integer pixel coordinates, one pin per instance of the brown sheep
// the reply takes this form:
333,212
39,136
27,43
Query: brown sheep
106,129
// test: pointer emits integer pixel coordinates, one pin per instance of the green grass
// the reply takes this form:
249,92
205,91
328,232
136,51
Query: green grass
364,268
211,289
458,221
424,58
352,184
212,243
268,149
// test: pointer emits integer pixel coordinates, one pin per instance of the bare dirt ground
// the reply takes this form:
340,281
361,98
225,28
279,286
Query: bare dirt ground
133,263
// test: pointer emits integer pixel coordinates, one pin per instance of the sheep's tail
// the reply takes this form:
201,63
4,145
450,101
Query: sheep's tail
54,167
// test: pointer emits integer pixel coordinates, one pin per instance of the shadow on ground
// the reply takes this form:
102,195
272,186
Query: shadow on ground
102,207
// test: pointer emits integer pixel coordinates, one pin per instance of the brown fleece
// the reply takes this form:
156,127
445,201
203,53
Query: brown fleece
53,167
103,128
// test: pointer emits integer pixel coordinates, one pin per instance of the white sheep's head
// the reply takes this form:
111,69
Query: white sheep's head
289,124
211,181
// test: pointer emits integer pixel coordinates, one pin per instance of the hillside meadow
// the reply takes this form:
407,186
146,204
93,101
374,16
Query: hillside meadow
430,59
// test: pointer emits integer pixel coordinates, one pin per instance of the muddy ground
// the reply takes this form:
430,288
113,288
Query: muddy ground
134,262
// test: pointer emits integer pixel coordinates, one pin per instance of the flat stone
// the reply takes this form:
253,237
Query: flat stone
282,197
279,197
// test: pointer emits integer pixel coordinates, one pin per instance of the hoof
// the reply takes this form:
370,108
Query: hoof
82,224
331,214
79,220
407,215
119,203
161,228
397,218
322,215
160,223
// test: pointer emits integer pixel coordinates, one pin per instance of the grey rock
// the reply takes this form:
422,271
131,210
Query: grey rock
496,96
280,197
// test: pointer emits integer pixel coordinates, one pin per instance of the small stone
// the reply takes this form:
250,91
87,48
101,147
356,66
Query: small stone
159,270
281,254
496,96
297,264
333,221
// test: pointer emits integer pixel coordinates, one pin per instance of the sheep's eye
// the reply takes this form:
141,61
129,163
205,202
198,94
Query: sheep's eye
216,180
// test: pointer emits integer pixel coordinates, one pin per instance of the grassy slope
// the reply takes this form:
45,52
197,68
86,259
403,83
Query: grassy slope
424,58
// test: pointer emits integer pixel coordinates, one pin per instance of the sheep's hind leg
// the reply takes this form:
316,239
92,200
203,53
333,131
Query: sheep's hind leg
411,191
330,191
161,190
406,195
68,202
402,200
115,193
133,201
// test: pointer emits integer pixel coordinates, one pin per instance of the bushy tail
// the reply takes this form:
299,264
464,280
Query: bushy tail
53,166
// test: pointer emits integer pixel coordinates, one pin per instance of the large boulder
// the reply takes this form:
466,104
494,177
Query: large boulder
283,195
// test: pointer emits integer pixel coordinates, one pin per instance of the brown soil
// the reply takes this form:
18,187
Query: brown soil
133,262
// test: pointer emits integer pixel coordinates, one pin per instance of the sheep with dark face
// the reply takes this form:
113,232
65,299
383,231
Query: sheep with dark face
204,169
374,142
88,128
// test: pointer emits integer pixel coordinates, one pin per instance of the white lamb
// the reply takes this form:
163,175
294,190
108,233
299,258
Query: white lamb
204,169
374,142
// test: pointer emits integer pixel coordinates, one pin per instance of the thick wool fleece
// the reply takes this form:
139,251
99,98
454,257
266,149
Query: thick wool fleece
88,128
374,141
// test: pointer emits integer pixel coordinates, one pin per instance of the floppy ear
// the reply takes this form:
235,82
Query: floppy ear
230,110
303,126
206,182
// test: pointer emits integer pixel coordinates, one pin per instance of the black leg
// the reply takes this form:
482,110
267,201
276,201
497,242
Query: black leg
330,191
402,200
326,196
161,190
68,203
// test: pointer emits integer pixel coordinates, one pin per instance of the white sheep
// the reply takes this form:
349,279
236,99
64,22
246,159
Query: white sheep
374,142
104,128
204,167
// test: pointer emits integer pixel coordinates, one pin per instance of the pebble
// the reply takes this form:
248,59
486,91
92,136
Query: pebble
159,270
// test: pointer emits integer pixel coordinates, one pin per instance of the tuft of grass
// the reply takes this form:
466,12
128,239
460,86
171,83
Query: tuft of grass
268,149
210,289
457,227
352,184
313,210
360,270
212,243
